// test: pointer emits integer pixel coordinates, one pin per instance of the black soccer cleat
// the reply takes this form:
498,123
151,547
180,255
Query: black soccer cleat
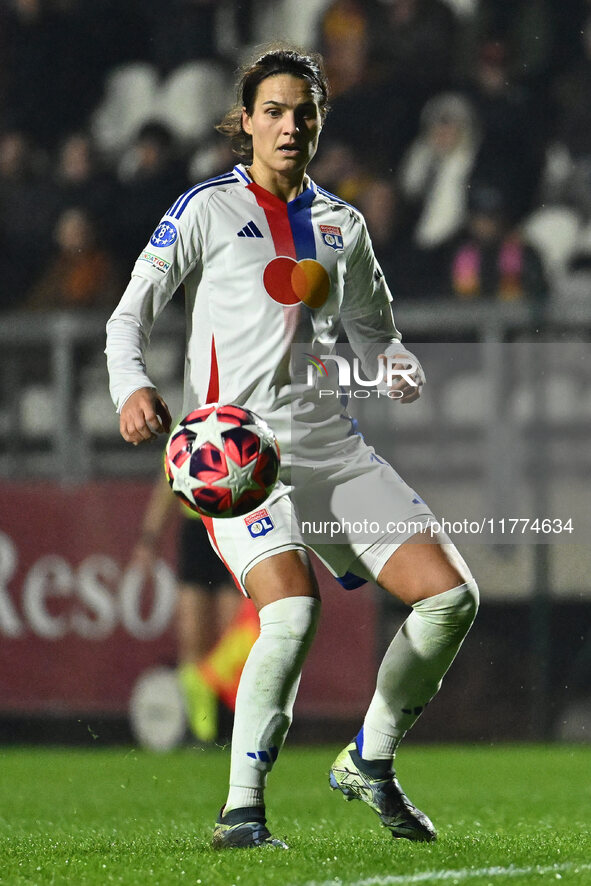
244,828
383,795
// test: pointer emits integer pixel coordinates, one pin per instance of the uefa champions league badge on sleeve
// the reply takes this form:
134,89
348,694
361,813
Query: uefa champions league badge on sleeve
259,523
164,235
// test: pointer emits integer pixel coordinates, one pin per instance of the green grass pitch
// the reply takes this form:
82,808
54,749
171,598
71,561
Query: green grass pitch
505,814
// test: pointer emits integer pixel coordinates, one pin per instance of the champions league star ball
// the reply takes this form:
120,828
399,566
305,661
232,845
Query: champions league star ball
222,461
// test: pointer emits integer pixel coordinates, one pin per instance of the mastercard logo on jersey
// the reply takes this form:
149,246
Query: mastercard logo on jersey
290,282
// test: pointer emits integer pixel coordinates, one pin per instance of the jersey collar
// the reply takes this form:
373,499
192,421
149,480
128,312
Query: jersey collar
302,201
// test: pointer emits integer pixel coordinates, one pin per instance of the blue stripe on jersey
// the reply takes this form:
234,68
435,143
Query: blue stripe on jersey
177,209
334,197
198,185
239,172
299,213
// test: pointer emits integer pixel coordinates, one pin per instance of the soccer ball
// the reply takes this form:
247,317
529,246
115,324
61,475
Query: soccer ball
222,461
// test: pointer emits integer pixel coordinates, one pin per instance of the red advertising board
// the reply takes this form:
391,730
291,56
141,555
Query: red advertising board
78,625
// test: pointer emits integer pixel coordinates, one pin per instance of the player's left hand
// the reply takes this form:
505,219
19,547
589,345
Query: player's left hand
409,392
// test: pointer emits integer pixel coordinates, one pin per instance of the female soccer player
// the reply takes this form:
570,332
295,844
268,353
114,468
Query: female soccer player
268,258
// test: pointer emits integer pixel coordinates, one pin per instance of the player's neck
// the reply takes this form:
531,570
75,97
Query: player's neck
284,187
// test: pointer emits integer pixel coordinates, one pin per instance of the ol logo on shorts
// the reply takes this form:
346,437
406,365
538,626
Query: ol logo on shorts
259,523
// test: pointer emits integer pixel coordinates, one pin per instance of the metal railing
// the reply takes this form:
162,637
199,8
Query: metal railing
57,422
68,431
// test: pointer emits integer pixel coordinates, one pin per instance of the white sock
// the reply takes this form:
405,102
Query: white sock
266,695
414,666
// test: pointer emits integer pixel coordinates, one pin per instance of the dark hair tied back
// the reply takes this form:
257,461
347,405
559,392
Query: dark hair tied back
277,59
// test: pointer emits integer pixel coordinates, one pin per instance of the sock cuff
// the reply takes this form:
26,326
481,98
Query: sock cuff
383,745
242,813
244,797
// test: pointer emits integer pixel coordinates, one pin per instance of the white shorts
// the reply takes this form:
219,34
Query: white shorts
353,515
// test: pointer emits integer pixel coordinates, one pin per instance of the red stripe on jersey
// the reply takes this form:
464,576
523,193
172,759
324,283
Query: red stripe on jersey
208,523
291,319
277,218
213,389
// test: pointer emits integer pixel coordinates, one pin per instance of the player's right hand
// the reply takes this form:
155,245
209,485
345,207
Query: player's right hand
143,416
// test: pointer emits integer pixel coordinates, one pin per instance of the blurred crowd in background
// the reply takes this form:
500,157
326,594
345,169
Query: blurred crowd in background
460,128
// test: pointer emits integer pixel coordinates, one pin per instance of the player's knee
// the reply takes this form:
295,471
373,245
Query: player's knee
291,618
455,608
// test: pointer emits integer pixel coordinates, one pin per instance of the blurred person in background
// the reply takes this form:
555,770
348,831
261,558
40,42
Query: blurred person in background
28,209
433,180
383,209
492,260
345,37
418,43
361,87
79,179
207,606
511,151
340,167
211,158
375,55
526,28
149,172
570,182
81,273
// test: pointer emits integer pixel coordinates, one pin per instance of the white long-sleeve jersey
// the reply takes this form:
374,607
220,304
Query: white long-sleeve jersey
259,274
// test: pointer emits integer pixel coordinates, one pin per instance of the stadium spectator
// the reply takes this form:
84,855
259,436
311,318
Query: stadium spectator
493,261
28,210
416,42
510,155
150,171
345,41
526,28
375,55
244,311
571,101
381,204
81,180
433,180
340,167
358,87
211,158
419,45
81,274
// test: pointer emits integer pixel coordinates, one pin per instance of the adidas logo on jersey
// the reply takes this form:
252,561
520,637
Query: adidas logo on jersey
249,230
